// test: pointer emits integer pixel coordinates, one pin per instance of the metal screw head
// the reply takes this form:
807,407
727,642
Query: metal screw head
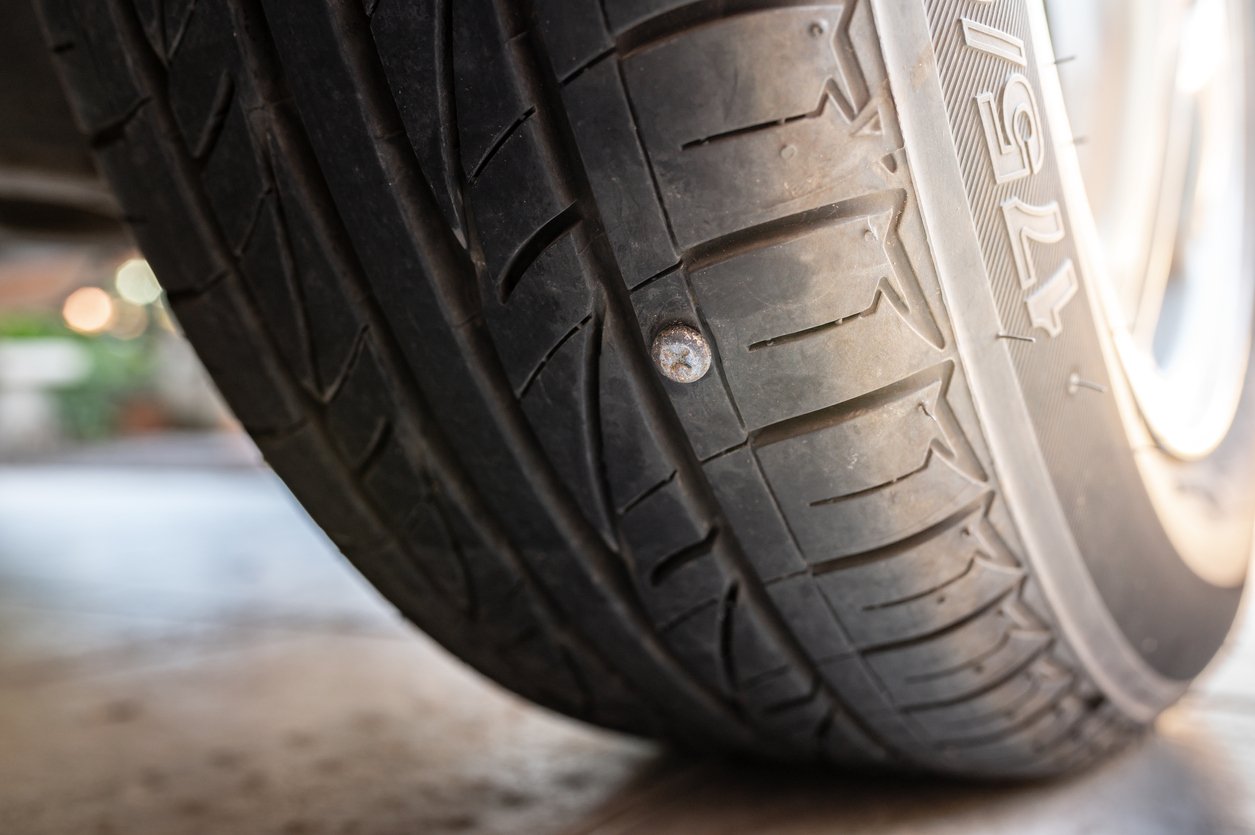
681,353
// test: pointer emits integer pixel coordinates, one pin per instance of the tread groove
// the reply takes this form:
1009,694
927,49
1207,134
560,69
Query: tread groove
830,93
175,42
535,375
671,564
889,646
500,141
726,658
868,491
983,689
847,410
342,376
901,546
883,290
375,448
645,495
676,21
217,118
546,236
593,428
911,598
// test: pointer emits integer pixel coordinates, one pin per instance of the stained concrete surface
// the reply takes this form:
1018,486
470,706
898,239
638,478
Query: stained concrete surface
182,651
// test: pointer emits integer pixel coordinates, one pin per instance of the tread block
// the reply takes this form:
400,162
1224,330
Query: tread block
625,13
394,483
514,199
844,743
429,540
921,585
864,354
230,347
859,688
779,119
559,409
964,662
999,710
829,270
152,18
618,173
806,611
270,279
404,494
659,527
356,417
206,54
405,33
697,582
183,267
574,32
977,585
818,317
549,674
709,419
800,724
671,555
304,462
748,504
757,657
634,462
780,692
549,302
696,638
857,480
891,437
334,331
490,99
178,13
1056,728
830,530
87,48
233,178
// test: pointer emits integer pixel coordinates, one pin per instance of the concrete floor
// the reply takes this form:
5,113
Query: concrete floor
181,651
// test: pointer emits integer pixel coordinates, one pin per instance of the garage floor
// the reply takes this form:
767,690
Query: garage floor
181,651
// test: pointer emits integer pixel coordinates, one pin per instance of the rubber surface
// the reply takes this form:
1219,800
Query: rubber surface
422,248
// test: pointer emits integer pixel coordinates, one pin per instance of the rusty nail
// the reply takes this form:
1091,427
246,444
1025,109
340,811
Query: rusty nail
681,353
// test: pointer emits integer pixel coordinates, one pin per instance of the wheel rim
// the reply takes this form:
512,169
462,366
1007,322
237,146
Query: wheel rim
1156,96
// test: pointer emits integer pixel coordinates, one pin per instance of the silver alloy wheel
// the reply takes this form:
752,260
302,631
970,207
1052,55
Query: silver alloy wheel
1155,93
1178,325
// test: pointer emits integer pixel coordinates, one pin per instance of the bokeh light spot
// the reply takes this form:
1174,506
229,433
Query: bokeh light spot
88,310
129,320
136,283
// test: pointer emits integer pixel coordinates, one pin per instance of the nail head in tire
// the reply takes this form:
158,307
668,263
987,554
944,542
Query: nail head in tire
681,353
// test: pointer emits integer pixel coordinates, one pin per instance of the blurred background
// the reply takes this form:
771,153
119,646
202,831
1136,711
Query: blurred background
89,353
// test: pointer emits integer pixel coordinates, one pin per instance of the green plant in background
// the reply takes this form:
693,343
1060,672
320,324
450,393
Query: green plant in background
122,370
27,324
